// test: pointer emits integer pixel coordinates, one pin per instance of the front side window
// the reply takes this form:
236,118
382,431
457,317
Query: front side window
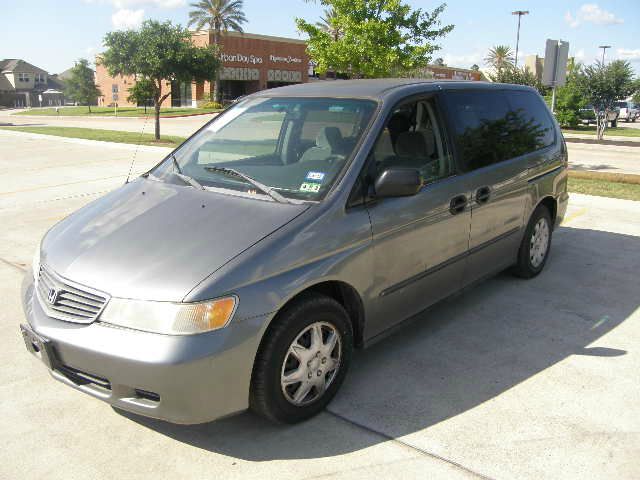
295,146
490,127
413,138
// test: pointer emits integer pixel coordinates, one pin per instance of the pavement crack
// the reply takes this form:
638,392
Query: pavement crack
419,450
15,265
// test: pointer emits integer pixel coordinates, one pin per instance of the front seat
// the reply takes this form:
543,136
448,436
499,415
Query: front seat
328,143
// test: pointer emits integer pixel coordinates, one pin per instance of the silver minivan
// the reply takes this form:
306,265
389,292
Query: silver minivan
302,223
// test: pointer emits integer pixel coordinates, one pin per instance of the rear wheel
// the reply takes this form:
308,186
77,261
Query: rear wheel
535,246
302,361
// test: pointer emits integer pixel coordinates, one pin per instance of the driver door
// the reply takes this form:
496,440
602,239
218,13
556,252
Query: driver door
420,242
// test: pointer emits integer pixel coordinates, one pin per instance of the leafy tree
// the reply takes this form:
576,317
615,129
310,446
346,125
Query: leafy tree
377,37
329,25
475,67
500,58
439,62
603,85
81,86
160,53
518,76
142,92
569,98
220,16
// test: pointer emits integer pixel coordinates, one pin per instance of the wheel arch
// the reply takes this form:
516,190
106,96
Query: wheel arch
551,204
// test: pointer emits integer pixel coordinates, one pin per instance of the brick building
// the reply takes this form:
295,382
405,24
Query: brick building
250,63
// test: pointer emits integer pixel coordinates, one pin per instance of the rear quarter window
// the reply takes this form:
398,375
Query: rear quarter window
492,126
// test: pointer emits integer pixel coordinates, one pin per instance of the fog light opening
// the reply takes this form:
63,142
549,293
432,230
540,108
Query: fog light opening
147,395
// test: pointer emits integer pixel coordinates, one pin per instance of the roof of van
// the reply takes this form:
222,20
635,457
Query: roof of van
373,88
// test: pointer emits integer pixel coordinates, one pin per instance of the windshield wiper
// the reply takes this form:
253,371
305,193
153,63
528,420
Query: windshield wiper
260,186
186,178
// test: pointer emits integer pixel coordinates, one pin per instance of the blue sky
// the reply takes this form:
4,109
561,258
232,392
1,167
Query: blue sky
52,34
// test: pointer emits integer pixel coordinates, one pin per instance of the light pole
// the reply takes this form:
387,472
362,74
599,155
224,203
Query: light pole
604,49
519,13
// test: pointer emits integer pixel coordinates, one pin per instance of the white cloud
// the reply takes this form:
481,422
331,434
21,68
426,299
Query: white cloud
629,54
125,19
591,13
579,55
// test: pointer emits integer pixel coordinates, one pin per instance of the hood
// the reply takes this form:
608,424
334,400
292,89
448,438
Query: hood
156,241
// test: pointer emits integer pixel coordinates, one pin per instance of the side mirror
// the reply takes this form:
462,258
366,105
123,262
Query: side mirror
398,182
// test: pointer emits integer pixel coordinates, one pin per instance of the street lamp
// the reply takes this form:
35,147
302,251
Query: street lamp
519,13
604,49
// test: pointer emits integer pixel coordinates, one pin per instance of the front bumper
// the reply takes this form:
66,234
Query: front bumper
180,379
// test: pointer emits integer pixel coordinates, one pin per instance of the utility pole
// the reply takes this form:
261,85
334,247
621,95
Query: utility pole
604,49
519,13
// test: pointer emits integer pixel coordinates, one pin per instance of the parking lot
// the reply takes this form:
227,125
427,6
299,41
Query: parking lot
511,379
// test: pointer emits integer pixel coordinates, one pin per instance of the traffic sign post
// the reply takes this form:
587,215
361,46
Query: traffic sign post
554,73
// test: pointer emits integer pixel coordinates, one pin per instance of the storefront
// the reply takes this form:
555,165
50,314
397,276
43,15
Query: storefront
250,63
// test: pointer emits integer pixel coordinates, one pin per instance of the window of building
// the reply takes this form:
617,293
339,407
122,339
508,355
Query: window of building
23,77
39,77
114,88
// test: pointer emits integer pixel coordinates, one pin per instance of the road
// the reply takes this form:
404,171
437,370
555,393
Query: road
604,158
513,379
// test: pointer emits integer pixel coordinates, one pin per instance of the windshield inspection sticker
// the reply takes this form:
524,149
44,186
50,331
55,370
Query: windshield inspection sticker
315,176
310,187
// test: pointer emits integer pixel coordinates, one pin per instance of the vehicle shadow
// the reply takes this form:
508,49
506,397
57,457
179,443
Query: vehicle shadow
456,356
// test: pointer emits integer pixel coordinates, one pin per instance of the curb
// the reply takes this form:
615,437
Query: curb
593,141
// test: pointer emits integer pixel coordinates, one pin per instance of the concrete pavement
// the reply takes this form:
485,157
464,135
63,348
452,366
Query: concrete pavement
512,379
604,158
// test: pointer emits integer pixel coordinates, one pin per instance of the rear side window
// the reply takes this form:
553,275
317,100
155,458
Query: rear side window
490,127
531,112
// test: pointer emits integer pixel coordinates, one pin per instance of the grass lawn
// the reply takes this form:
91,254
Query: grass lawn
602,185
103,135
618,131
109,112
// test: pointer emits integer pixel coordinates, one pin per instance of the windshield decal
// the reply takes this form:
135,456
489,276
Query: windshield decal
310,187
315,176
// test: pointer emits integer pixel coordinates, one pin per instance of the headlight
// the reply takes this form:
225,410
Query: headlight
35,263
170,318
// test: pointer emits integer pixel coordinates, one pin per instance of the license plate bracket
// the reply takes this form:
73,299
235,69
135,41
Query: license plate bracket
38,346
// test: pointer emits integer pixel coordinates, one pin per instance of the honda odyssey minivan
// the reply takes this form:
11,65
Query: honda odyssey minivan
300,224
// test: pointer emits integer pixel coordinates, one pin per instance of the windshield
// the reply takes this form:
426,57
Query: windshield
293,146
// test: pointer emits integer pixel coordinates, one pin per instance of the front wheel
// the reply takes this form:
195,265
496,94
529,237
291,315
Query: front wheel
302,361
535,245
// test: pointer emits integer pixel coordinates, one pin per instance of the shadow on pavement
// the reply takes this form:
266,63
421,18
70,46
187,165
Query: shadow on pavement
456,356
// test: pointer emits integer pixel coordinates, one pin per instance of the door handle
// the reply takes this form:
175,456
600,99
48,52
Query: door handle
483,194
458,204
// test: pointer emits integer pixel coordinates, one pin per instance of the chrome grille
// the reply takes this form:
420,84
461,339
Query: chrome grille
66,300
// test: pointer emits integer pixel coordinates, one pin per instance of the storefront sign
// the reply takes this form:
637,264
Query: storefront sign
289,59
241,58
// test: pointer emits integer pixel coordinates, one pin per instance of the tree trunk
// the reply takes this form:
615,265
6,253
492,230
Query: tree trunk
89,105
216,79
156,108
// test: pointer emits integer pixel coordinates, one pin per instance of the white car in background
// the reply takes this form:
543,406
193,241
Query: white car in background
628,111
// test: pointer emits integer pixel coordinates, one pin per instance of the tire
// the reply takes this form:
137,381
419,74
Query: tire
530,263
297,324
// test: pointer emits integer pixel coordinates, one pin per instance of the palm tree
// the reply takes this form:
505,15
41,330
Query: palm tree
328,24
220,16
499,57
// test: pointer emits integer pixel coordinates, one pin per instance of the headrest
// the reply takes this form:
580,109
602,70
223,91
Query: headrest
329,138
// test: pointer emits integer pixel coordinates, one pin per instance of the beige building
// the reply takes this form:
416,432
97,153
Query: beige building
535,64
23,84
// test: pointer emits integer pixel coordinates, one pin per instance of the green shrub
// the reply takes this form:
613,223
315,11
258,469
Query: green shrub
211,105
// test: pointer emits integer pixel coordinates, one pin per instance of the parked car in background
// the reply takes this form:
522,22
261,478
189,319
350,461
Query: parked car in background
629,112
301,223
587,116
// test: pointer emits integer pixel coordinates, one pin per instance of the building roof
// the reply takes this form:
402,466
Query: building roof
255,36
18,65
5,84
